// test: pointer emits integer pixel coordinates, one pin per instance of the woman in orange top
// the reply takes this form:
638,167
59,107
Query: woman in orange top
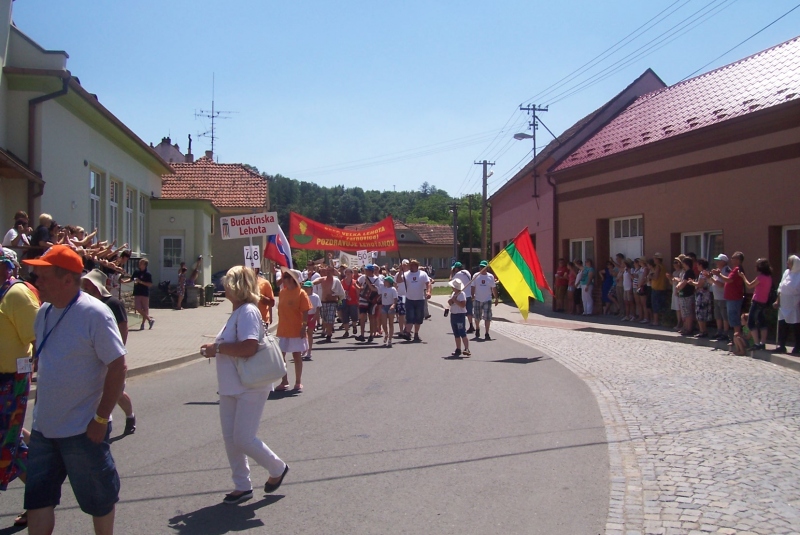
293,306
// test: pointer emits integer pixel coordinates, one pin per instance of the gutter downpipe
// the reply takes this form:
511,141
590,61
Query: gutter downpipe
33,194
555,226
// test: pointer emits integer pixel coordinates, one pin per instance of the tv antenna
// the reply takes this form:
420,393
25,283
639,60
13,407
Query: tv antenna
212,114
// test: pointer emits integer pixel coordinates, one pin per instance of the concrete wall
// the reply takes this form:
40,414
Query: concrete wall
193,224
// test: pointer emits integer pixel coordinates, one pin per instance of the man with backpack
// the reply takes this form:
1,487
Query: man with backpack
368,301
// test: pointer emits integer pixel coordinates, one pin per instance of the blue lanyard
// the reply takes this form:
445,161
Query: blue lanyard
48,333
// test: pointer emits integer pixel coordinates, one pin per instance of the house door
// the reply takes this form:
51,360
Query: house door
171,257
627,235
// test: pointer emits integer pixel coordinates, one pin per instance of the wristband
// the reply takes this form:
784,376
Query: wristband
100,420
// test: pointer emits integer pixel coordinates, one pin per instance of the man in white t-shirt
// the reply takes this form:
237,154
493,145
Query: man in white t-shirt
81,377
484,288
458,272
418,290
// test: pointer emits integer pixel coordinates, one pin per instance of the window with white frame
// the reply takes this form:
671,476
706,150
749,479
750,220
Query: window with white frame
95,186
581,249
113,210
791,241
704,244
142,212
130,200
629,227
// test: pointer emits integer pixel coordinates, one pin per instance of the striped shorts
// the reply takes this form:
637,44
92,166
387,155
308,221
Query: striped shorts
482,310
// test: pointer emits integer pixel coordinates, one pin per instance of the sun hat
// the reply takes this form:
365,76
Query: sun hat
456,284
308,284
98,279
484,263
389,279
657,255
722,257
405,262
59,256
293,273
457,265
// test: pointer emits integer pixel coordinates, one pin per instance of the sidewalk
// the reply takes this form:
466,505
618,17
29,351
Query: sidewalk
542,316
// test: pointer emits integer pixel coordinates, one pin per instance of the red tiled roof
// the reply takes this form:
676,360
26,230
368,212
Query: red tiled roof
429,234
765,79
226,185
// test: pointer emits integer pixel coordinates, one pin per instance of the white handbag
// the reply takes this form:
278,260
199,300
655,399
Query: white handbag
265,367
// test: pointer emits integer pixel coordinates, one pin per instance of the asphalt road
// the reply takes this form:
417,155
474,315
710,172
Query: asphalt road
399,440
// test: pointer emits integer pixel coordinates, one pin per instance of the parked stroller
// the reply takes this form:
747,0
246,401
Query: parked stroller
168,294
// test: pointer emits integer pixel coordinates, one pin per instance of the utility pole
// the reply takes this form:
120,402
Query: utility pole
454,209
469,205
486,175
534,124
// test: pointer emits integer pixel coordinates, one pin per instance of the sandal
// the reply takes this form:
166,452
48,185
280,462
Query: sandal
281,388
22,519
298,388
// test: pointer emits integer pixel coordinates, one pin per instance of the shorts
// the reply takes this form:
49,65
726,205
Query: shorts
350,314
385,310
687,306
90,467
458,322
469,306
400,309
141,302
328,312
293,345
312,323
734,310
628,296
483,310
415,311
720,310
757,319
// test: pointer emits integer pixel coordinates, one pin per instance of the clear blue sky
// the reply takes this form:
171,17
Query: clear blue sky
319,89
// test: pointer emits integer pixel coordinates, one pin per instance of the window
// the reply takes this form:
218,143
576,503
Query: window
704,244
95,182
582,249
172,254
443,263
142,210
113,210
630,227
791,241
130,200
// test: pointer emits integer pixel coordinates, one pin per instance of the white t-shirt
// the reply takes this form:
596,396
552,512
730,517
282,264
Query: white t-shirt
73,364
459,306
11,235
388,295
400,285
464,277
316,303
627,280
417,282
483,284
243,324
314,276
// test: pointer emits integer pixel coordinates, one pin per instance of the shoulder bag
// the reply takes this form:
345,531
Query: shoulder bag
265,367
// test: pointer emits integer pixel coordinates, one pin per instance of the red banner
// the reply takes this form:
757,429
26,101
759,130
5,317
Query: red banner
307,234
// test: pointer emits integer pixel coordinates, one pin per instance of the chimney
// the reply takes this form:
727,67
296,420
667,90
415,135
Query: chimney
189,158
210,155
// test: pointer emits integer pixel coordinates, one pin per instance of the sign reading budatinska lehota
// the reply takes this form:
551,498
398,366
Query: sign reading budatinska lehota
248,225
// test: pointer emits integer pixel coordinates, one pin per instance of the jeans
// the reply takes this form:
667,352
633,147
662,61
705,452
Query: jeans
239,417
415,311
458,322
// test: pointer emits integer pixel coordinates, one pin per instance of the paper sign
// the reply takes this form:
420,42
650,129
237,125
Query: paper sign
249,225
363,257
252,256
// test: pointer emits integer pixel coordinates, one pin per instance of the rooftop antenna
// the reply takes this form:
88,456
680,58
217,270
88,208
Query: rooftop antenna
212,114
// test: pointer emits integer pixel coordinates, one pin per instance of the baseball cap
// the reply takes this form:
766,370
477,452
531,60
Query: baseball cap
98,279
370,266
484,263
389,279
308,284
722,257
59,256
458,265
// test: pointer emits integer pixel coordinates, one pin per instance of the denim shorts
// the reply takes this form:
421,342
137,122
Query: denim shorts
415,311
469,306
458,322
385,310
90,467
734,307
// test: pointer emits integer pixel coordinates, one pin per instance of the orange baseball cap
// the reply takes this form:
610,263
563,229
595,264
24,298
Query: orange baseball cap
59,256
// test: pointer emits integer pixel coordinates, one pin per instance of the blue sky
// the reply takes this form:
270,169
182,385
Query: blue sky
376,94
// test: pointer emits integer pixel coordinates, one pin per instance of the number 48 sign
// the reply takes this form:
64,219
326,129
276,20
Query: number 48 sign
252,256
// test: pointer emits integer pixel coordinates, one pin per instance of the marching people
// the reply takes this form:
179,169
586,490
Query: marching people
81,373
293,307
483,289
350,310
240,408
402,290
458,317
368,301
19,305
266,300
458,272
388,307
329,289
312,318
94,284
418,291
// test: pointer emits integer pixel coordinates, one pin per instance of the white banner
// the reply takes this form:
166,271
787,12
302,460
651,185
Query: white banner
252,256
248,225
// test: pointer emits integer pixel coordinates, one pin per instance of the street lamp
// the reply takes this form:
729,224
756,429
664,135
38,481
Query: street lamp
522,135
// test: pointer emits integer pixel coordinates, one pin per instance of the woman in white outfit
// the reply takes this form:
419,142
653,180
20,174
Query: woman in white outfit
788,305
240,408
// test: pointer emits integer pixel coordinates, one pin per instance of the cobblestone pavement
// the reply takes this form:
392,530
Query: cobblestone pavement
700,441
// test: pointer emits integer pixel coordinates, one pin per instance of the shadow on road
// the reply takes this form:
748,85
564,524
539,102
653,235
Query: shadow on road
202,403
520,360
219,519
12,529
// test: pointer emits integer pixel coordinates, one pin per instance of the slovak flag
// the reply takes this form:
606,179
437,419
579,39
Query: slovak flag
278,249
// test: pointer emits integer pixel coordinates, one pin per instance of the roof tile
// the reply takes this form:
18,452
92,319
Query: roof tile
226,185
